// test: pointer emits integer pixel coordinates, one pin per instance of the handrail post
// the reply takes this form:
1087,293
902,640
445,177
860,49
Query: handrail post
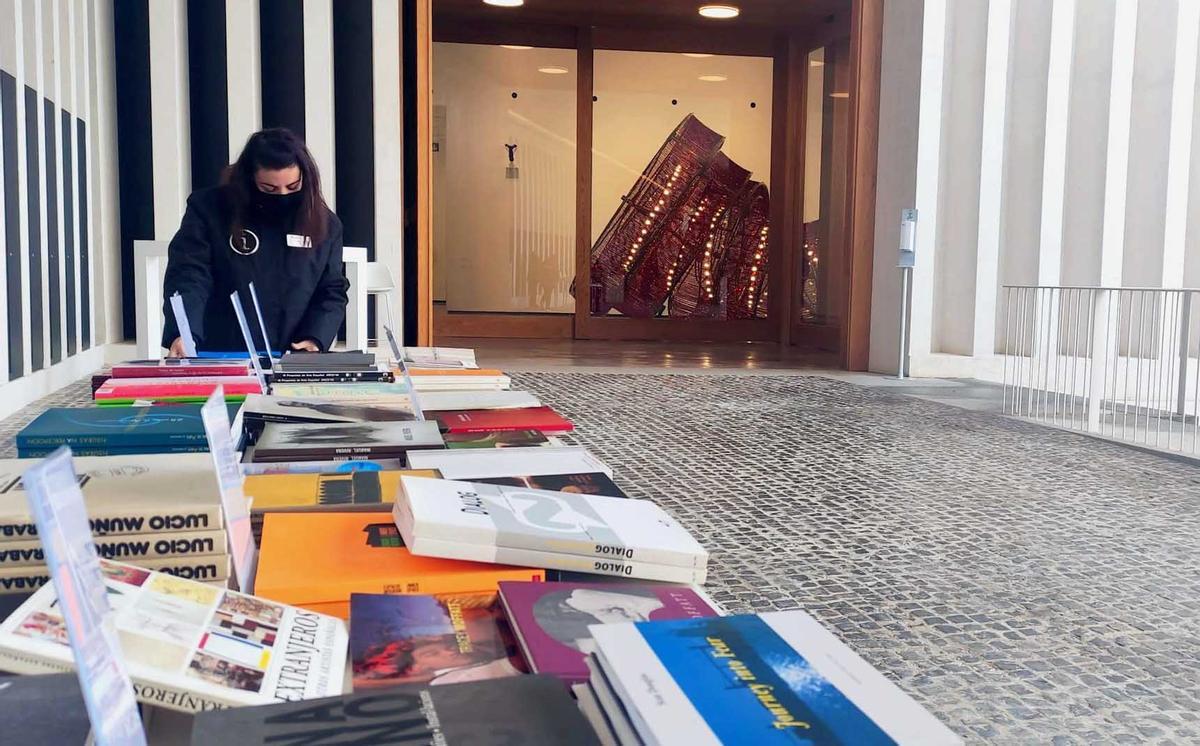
1185,319
1101,298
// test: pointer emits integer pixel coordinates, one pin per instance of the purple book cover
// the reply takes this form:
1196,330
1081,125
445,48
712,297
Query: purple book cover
551,619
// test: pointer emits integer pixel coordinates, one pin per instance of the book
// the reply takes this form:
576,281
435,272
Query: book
189,646
542,419
470,465
125,495
450,401
616,715
761,679
521,711
180,367
592,526
322,467
212,568
593,483
496,439
317,560
332,376
425,639
341,391
589,705
322,361
129,547
440,357
458,382
338,492
126,390
260,408
45,710
551,619
34,453
296,442
126,427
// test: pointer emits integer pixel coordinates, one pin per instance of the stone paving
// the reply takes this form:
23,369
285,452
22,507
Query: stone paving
1028,585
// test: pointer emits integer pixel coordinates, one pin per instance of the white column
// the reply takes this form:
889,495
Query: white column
1116,172
385,36
991,176
70,93
1054,164
36,75
106,253
21,71
9,33
57,87
1183,108
929,163
170,129
318,92
87,237
243,50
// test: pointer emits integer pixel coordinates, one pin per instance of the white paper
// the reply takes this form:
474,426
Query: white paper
241,317
58,509
185,326
233,499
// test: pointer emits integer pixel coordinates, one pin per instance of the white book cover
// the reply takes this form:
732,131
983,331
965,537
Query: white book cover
189,646
603,528
425,384
340,391
757,679
449,401
440,357
485,463
610,703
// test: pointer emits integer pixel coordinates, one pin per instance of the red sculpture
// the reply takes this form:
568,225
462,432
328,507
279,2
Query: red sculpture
689,239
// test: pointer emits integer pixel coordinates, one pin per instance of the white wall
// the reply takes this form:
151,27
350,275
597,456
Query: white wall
1087,112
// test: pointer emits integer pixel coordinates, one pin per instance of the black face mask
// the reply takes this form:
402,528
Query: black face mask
278,206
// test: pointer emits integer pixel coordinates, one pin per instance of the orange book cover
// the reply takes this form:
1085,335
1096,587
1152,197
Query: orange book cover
319,559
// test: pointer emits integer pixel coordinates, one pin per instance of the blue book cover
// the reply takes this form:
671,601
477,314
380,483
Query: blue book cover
750,686
123,428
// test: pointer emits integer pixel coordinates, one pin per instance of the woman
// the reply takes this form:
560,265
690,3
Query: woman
267,224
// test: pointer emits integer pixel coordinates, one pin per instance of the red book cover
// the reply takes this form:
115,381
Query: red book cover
542,419
180,368
160,388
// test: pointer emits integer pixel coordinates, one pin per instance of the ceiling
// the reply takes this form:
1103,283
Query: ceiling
647,13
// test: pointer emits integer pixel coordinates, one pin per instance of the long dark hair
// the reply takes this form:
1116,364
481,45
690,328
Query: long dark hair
274,149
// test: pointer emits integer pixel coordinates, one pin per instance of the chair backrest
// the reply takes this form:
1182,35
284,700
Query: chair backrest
379,278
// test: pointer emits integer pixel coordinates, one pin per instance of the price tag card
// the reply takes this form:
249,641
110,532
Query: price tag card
185,326
233,499
56,502
236,300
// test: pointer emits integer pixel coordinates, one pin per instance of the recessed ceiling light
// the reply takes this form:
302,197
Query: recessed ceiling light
719,11
505,3
840,94
515,46
554,70
713,78
697,55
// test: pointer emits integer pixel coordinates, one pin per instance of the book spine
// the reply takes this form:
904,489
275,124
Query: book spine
117,523
33,578
114,440
328,377
130,548
86,450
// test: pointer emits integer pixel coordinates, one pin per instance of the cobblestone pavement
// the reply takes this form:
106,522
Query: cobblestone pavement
1026,584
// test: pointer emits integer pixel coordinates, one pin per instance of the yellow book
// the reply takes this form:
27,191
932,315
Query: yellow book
365,491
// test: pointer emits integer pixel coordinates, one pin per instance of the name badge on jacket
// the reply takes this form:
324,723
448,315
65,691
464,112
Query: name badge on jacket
299,242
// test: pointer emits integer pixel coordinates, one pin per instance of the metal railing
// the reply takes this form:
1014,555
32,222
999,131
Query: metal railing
1118,362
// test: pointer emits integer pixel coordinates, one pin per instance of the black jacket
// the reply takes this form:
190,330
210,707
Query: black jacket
302,291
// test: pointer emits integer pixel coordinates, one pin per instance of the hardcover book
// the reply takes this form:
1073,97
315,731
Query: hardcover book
125,548
180,367
338,492
353,360
296,442
278,409
522,711
761,679
470,465
124,390
189,646
495,439
212,568
423,639
125,427
551,619
566,523
125,495
318,560
541,419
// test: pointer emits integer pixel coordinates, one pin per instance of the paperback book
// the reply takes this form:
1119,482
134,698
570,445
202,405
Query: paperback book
340,391
212,568
607,531
471,465
761,679
180,367
495,439
126,548
521,711
360,490
121,391
262,408
318,560
440,357
189,646
425,639
541,419
551,620
296,442
450,401
124,495
321,467
125,427
347,360
595,483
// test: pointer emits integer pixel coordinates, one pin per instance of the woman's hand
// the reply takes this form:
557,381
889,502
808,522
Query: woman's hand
176,348
305,345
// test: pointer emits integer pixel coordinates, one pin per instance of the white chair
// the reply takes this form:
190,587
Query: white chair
379,282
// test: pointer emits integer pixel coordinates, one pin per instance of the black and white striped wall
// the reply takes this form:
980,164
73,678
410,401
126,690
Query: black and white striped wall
56,209
196,77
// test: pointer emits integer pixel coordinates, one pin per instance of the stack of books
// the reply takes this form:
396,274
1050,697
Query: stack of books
329,367
159,512
175,381
351,440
